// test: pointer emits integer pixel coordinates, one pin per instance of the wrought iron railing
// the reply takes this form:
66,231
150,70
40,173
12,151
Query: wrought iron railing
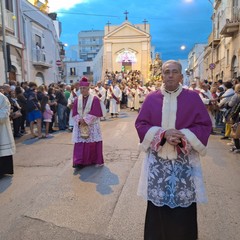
38,56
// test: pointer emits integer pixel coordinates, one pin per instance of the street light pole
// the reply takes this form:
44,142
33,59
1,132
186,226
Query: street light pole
4,45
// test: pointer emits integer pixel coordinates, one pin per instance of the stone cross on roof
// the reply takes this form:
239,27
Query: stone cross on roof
108,23
126,13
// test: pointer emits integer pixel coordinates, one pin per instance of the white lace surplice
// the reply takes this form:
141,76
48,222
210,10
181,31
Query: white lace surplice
175,183
94,129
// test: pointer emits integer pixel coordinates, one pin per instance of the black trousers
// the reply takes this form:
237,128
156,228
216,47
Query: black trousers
237,143
165,223
51,123
16,125
6,165
23,120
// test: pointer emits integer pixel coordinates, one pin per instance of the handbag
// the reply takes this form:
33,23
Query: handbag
235,131
84,131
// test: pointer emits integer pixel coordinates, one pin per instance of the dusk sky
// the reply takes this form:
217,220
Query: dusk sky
173,23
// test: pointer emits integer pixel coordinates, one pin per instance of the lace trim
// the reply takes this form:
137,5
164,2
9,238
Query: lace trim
94,129
172,182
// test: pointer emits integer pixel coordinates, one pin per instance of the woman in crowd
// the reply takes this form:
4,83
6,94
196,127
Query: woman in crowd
22,102
15,114
208,100
223,105
47,114
234,118
53,106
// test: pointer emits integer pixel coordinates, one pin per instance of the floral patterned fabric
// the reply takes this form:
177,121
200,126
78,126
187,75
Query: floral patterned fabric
175,183
94,129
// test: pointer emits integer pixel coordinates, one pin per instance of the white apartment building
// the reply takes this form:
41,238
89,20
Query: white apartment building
74,70
32,43
223,49
88,60
40,37
90,42
195,68
72,53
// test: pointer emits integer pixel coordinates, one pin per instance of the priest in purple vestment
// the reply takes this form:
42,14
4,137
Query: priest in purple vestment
87,135
173,126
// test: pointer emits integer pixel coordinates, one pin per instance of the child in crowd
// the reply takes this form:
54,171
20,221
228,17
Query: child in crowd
47,113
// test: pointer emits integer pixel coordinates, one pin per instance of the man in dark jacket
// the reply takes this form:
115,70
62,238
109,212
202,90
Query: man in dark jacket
61,109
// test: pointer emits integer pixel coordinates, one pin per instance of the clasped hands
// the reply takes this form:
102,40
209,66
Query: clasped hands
173,136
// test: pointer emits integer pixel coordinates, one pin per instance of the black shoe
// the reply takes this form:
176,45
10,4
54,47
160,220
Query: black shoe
52,131
78,166
17,135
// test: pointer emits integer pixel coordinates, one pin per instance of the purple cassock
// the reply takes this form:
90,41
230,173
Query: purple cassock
171,175
87,151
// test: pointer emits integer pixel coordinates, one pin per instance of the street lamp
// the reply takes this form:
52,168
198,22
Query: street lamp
183,47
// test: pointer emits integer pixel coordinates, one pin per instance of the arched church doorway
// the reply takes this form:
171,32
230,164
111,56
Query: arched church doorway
126,66
126,57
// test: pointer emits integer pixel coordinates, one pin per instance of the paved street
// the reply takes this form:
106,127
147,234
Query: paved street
46,200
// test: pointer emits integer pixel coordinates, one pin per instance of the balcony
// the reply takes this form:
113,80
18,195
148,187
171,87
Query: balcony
39,59
230,21
213,42
9,22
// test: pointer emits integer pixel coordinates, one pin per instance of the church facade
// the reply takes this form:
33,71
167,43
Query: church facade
127,47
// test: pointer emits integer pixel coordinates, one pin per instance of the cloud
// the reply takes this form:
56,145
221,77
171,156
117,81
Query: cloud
64,5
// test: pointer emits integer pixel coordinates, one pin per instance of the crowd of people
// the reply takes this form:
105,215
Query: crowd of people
222,100
50,107
42,105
